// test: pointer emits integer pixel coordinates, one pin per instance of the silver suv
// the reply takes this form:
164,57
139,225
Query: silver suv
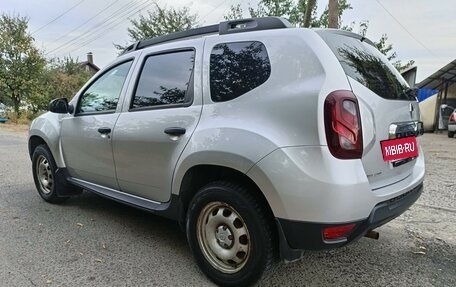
261,139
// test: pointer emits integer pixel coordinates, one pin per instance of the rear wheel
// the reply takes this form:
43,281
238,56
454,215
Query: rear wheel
230,234
44,169
450,134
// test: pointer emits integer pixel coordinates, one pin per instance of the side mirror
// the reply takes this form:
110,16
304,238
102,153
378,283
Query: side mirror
59,106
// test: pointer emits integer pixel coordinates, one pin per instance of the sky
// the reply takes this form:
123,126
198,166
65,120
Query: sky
420,30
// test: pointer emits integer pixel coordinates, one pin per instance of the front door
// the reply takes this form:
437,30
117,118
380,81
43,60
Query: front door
162,114
87,136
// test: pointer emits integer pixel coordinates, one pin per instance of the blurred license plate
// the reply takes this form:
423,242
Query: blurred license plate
397,149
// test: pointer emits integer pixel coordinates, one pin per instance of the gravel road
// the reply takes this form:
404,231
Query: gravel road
92,241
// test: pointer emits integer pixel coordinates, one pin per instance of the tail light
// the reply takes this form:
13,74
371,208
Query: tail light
452,119
343,125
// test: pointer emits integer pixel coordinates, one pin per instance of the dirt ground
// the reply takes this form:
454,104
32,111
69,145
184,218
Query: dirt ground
93,241
14,128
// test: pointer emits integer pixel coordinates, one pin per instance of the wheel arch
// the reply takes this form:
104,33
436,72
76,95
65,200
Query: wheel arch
46,130
33,142
200,175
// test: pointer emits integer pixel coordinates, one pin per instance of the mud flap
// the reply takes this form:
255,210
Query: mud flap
65,188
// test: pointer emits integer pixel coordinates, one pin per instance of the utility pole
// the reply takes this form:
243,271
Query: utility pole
333,15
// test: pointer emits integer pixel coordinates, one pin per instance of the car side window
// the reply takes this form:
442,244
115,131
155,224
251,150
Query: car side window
236,68
164,80
103,94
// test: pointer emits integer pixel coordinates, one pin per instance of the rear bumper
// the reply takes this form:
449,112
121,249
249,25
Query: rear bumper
296,236
452,126
309,184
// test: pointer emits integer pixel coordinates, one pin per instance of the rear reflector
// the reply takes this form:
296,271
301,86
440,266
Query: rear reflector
337,232
343,125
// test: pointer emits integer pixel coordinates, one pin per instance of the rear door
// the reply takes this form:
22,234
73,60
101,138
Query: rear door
387,106
158,120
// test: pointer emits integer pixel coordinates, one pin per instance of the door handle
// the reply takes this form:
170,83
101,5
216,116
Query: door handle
175,131
104,131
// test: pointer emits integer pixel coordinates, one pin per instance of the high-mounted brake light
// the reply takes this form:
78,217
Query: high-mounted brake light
343,125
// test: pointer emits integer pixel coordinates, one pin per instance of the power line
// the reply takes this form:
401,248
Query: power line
405,29
216,7
230,5
58,17
119,13
109,27
230,2
90,30
87,21
114,25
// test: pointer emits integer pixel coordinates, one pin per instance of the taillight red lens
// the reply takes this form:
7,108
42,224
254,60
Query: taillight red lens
337,232
452,119
343,125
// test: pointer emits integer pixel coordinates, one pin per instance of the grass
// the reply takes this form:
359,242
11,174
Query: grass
10,126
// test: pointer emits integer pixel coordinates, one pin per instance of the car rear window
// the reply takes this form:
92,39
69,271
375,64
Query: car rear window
364,63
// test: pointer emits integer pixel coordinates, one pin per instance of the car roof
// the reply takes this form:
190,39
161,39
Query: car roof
225,27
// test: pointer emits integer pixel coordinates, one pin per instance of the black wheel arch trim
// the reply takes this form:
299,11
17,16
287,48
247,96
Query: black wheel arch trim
33,142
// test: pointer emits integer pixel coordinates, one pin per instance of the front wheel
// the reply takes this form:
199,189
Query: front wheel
44,168
450,134
230,234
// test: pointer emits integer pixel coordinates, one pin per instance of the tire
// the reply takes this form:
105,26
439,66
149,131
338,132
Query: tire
450,134
44,168
223,218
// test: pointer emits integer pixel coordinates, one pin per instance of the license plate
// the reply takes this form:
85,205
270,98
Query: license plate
397,149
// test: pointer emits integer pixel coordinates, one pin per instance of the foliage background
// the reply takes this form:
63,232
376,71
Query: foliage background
29,80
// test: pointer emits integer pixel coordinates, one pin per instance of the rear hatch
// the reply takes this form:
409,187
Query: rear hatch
388,107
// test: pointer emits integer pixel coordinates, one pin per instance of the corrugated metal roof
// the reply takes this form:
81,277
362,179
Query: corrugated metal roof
447,73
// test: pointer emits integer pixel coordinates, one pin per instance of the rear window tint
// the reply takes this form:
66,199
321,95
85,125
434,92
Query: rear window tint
236,68
367,65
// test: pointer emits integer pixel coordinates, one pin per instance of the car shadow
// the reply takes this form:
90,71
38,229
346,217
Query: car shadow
141,221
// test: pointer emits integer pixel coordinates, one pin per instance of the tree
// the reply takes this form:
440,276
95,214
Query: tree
158,22
284,8
61,78
295,11
323,20
21,63
333,17
311,4
235,12
385,48
298,14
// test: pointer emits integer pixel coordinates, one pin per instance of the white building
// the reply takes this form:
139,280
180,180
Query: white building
436,90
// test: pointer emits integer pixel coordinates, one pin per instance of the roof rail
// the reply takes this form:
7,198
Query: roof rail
253,24
226,27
